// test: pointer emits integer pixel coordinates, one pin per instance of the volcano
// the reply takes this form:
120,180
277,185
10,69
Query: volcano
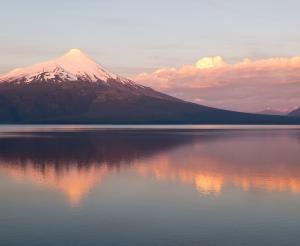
75,89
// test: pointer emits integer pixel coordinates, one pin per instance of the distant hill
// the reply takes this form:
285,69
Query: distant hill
295,113
272,112
75,89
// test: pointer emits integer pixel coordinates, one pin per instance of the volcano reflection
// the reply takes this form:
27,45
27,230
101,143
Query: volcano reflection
74,163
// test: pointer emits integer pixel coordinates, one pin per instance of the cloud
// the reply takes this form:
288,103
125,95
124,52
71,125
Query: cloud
210,62
248,85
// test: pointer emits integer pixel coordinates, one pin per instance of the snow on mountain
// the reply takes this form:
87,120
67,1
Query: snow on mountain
73,66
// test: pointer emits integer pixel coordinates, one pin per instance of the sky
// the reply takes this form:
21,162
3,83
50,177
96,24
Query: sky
139,39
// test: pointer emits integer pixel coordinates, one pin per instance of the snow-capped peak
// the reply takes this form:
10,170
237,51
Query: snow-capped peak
73,66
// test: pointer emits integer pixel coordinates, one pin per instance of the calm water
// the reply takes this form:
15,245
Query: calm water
192,185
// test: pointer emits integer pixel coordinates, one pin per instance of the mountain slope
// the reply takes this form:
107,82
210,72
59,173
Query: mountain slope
295,113
75,89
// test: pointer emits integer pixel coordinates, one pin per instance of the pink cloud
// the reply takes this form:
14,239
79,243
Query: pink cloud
249,85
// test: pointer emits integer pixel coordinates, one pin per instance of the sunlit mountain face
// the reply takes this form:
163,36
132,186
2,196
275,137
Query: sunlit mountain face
209,162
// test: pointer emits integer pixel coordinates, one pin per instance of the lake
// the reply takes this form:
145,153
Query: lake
149,185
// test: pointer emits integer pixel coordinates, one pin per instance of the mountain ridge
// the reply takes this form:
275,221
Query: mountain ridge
75,89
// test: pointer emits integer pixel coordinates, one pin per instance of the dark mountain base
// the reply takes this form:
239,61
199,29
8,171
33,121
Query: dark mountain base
92,103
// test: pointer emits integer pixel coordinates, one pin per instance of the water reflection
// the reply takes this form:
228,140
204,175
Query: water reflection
209,161
73,181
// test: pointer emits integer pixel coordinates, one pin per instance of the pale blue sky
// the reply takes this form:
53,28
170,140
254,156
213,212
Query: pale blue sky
132,36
